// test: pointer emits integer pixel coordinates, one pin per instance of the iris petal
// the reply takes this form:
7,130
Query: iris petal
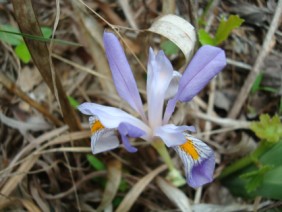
111,117
128,130
172,135
122,74
102,139
198,159
173,85
206,63
160,73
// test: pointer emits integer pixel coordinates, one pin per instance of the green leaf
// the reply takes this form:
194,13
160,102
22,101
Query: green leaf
46,31
267,128
23,53
73,102
266,182
226,27
255,178
96,163
256,85
169,47
12,39
205,38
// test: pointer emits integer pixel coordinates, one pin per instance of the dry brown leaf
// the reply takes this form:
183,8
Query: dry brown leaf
178,30
174,194
137,189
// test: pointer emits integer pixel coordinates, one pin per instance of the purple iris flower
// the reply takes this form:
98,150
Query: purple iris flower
163,83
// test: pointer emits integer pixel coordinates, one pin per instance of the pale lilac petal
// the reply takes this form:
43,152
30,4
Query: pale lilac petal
127,130
111,117
173,85
169,109
206,63
102,139
199,166
173,135
160,73
122,74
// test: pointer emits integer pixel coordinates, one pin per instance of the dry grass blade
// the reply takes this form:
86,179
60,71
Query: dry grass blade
175,195
22,171
241,98
28,24
113,181
137,189
29,205
91,37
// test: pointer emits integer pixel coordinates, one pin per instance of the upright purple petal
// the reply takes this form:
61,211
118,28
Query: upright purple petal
207,62
127,130
160,73
122,74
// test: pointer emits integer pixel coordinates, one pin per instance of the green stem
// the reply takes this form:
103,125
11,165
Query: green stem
162,150
244,162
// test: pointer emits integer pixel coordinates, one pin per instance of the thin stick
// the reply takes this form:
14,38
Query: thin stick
12,87
241,98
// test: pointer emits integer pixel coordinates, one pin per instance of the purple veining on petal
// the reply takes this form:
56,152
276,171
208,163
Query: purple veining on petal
202,173
127,130
122,74
206,63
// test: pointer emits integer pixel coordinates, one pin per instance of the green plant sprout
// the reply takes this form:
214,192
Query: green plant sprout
259,173
223,31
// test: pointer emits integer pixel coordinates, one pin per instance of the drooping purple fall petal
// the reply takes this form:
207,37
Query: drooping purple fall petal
198,160
102,139
122,74
127,130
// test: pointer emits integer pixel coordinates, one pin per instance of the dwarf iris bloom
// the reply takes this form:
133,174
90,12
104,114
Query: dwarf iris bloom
163,83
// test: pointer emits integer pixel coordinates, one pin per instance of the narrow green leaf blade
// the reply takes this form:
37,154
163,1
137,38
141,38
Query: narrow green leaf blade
12,39
226,27
73,102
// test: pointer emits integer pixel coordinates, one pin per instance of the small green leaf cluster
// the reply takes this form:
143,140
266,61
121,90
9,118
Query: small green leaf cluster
268,129
12,36
260,173
223,31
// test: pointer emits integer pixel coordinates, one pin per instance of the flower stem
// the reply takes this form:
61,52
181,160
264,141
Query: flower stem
174,176
162,150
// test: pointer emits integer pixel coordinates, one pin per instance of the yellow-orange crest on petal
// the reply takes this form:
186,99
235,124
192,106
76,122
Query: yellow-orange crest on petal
190,149
97,125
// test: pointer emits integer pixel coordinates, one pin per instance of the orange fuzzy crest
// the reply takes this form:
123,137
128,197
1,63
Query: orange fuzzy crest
190,149
97,125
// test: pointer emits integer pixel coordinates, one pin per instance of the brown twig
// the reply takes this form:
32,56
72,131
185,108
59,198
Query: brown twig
241,98
12,87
